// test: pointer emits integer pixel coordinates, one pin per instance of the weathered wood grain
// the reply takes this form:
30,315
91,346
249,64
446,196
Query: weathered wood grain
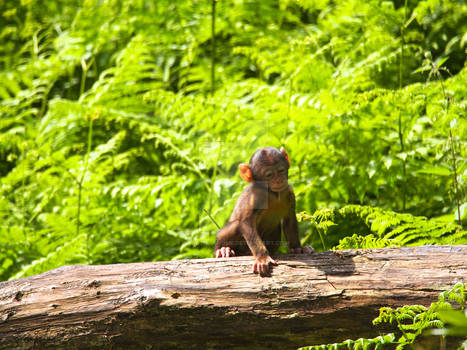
220,303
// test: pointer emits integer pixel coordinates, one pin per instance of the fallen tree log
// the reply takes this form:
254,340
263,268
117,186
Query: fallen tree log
220,303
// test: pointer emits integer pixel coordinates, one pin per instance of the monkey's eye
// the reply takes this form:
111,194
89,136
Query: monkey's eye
281,170
268,174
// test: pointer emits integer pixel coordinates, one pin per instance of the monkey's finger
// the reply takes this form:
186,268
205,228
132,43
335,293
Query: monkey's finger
225,252
271,261
255,268
220,253
229,252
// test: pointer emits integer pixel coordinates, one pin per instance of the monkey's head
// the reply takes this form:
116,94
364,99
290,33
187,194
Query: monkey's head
269,166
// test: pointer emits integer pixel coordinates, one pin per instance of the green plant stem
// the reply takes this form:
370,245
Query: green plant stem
213,45
83,82
456,183
443,89
400,127
321,238
80,186
78,214
451,143
213,178
402,44
85,67
287,116
404,162
442,342
320,232
44,100
23,191
400,326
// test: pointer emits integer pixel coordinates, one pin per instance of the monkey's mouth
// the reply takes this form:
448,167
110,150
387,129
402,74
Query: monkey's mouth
279,188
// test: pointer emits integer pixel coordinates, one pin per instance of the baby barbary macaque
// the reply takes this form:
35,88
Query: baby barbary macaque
264,208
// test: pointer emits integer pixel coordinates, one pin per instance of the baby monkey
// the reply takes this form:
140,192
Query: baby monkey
263,210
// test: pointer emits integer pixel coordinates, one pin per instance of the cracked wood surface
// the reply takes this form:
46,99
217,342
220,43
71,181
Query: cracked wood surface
220,303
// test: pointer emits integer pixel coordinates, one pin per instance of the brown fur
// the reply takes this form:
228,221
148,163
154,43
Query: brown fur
263,210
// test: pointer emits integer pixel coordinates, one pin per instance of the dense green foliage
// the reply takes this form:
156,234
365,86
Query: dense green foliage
116,144
411,321
114,148
122,123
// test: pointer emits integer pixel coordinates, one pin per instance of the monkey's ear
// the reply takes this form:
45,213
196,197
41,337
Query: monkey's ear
245,172
286,155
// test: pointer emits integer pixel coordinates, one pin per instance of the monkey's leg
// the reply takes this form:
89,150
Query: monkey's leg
272,239
291,234
290,226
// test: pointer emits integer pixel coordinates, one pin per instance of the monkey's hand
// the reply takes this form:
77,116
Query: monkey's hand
261,265
225,252
301,250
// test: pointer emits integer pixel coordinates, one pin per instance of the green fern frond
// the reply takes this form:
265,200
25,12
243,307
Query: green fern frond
412,320
381,228
359,344
58,257
367,242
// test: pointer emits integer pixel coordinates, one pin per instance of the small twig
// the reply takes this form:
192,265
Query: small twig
212,219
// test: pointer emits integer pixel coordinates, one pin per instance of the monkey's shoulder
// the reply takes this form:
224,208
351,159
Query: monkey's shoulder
252,196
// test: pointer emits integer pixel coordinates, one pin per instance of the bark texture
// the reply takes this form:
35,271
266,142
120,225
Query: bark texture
220,303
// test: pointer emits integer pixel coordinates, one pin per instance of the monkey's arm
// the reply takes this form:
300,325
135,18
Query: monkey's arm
240,235
238,232
252,238
242,228
290,224
256,245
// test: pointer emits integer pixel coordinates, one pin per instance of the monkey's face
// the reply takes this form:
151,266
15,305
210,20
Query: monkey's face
270,167
276,176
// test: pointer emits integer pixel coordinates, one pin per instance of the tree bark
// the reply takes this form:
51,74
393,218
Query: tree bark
219,303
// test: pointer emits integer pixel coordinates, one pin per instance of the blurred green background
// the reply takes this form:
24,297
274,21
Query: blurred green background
122,123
